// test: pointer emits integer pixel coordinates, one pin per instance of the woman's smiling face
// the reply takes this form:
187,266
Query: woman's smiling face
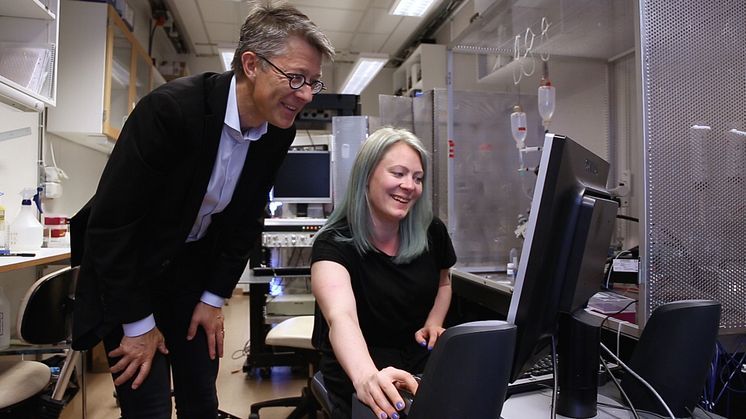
395,184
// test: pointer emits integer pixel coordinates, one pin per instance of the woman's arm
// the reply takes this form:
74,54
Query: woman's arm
433,327
331,285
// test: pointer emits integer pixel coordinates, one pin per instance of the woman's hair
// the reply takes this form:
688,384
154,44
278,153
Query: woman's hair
354,210
267,29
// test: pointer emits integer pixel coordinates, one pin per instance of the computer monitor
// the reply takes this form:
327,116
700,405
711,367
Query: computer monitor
305,177
569,230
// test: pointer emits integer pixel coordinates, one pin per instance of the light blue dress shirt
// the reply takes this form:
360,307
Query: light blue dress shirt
232,151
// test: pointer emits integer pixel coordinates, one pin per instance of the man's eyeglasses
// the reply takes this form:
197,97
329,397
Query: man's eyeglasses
297,80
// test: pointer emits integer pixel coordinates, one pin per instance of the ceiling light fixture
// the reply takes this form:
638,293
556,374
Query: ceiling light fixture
365,69
411,7
226,57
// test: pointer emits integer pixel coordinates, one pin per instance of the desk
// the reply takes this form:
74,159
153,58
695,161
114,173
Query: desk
491,290
537,404
43,257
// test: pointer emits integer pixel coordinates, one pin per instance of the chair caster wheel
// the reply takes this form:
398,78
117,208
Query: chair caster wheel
254,416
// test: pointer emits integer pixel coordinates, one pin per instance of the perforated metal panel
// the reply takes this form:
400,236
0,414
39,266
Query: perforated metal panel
694,97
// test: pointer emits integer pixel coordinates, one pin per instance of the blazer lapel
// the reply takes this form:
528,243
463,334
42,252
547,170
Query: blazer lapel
216,97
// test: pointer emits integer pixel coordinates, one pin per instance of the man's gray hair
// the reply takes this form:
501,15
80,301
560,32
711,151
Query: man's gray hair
268,27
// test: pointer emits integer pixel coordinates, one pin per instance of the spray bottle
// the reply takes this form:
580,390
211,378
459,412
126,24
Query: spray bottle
3,231
26,232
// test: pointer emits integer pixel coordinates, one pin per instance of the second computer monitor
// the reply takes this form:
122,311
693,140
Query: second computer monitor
305,177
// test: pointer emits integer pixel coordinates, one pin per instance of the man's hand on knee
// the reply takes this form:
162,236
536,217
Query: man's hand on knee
136,354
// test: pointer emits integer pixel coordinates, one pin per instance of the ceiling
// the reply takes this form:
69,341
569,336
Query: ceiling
353,26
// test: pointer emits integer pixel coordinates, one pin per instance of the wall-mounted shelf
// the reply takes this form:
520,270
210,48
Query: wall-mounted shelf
424,69
32,9
28,53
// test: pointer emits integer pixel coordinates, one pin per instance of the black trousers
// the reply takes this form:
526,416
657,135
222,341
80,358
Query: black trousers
194,373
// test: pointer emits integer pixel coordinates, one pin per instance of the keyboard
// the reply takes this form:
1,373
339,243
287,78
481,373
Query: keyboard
541,375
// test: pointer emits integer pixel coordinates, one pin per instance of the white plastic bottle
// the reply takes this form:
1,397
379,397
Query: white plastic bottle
547,98
518,126
4,320
26,232
3,231
512,266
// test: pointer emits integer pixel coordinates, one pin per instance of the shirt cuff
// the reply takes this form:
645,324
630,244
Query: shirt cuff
212,299
139,327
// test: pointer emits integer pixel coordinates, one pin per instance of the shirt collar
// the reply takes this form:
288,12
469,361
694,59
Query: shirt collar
233,121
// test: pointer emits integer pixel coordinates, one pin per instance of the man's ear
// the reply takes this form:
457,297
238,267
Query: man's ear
249,64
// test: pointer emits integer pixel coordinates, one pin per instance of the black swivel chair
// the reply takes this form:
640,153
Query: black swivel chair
44,318
466,376
673,355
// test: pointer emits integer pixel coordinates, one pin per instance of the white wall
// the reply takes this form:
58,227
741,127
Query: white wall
83,165
18,157
18,170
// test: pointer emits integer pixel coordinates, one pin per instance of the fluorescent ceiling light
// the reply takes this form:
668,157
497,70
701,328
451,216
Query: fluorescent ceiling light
226,57
411,7
366,67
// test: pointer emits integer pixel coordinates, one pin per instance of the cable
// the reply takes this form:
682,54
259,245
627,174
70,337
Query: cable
619,386
614,314
613,406
640,379
556,376
628,218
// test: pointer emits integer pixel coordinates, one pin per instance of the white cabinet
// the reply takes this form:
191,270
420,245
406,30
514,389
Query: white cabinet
424,69
28,53
103,72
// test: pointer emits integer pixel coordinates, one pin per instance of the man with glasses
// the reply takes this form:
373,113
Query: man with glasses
178,209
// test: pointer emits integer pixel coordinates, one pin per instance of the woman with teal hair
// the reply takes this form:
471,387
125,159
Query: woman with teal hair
379,272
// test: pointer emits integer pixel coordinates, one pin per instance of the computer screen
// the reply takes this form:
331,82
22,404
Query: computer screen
305,177
569,230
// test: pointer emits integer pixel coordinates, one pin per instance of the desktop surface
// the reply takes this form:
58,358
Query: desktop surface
537,404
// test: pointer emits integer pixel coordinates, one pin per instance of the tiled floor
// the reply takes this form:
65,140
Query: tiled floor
236,390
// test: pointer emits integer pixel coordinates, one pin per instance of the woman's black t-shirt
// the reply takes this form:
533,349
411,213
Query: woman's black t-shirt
393,301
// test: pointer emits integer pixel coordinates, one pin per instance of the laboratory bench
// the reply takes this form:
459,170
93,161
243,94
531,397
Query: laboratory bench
43,256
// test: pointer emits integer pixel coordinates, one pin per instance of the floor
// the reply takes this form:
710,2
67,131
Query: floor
236,390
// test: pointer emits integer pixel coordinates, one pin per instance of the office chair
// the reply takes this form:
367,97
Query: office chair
466,376
44,318
295,333
673,355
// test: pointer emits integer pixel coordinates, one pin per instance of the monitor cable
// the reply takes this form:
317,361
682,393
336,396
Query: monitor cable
554,371
640,379
619,386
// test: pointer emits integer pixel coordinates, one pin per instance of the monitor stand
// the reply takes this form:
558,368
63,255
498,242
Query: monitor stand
315,211
578,343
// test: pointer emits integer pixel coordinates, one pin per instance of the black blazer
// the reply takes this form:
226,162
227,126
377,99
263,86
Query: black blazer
148,198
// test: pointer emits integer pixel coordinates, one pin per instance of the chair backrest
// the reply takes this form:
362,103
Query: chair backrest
467,373
673,355
45,314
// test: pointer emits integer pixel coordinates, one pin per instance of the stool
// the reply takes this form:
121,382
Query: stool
294,332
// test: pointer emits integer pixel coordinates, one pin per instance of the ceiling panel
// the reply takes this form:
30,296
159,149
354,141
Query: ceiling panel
222,32
341,20
218,11
334,4
351,25
368,42
378,21
340,40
